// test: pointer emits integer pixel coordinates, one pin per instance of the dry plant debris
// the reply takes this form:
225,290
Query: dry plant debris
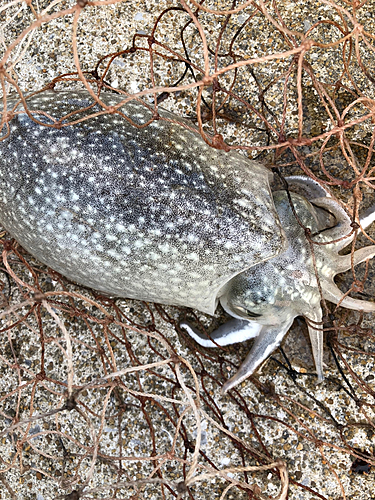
105,398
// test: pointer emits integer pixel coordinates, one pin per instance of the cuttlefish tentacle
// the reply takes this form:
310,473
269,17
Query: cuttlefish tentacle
270,295
235,330
342,228
267,341
368,217
344,262
332,293
315,329
306,187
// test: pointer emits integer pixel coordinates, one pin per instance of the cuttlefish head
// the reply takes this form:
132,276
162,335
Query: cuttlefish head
265,299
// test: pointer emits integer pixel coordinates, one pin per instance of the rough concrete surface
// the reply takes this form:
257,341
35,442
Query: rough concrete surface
317,429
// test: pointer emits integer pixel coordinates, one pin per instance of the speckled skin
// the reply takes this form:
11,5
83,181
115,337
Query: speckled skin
155,214
151,213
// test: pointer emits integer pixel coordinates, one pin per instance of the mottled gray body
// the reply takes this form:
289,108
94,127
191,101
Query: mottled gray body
151,213
156,214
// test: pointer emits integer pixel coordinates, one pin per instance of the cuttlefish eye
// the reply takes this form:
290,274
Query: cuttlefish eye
246,313
252,314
